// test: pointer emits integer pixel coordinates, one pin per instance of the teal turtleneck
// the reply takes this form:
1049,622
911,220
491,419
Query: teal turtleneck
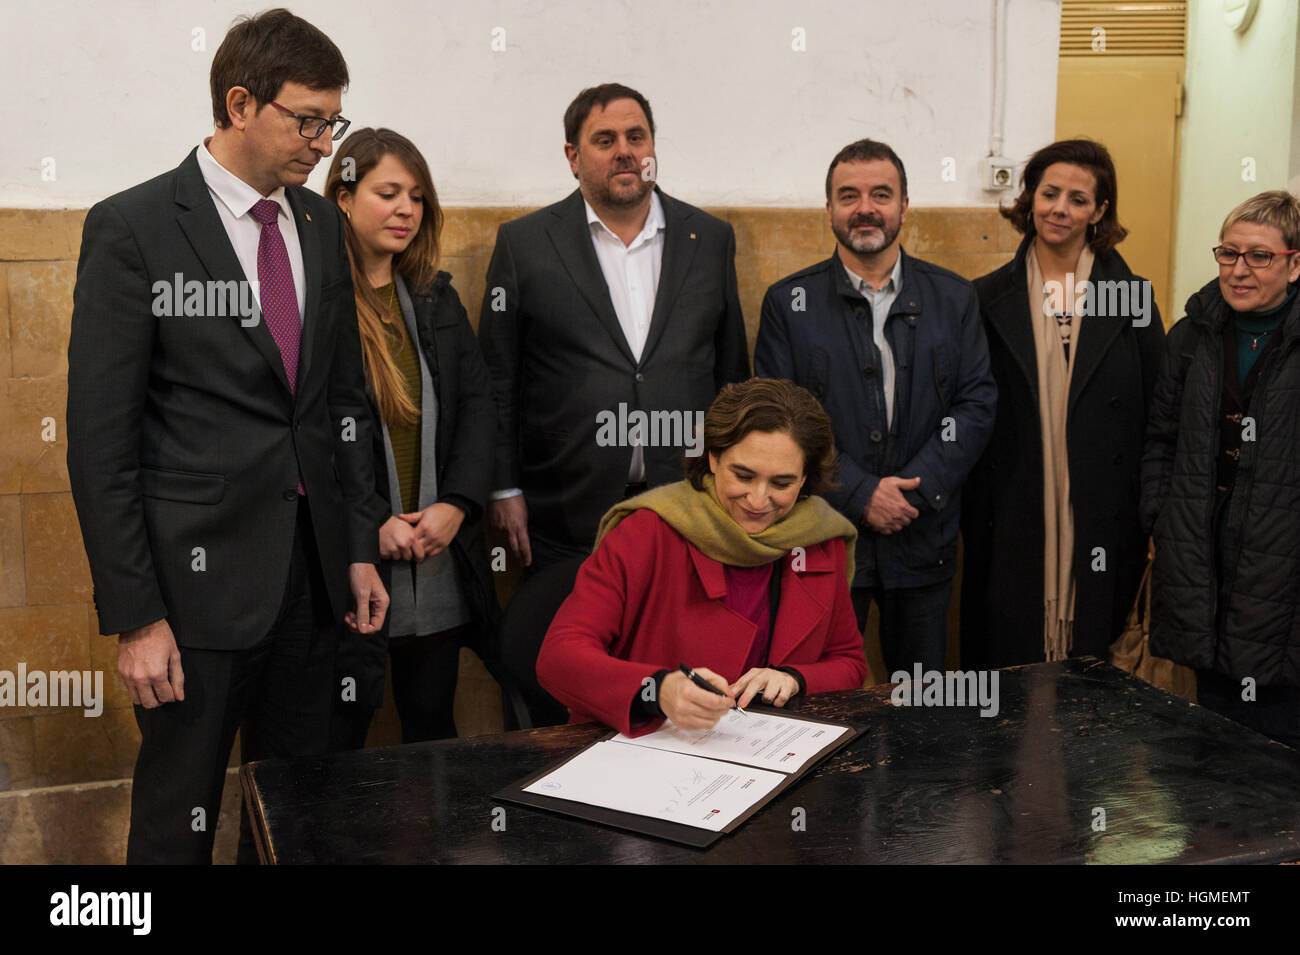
1253,330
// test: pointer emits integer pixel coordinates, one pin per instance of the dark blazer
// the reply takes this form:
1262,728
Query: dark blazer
1002,519
943,409
183,433
622,623
466,436
558,356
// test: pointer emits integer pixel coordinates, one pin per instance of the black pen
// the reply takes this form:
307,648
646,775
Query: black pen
705,685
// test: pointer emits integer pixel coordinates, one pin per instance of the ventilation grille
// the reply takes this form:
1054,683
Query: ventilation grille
1131,29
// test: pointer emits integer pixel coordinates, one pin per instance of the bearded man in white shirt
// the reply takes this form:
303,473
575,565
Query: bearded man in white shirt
610,320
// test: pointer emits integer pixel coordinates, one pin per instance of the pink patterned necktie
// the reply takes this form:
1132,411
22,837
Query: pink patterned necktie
278,296
275,288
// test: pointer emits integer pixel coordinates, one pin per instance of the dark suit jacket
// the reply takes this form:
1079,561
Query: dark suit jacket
183,433
558,356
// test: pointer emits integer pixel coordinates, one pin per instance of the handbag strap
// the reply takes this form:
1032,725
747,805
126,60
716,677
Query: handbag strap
1144,597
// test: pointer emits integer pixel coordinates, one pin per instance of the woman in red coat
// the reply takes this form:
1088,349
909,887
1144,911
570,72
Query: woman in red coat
691,572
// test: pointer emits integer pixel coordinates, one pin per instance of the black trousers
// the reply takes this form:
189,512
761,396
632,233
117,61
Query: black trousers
425,670
913,624
277,693
548,551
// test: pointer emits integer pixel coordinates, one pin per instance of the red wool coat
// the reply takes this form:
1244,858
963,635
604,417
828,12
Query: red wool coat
648,600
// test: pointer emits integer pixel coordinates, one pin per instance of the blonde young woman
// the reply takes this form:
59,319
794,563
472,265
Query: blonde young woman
433,450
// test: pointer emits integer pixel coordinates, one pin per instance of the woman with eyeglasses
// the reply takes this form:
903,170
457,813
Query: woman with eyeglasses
1221,476
1053,548
433,448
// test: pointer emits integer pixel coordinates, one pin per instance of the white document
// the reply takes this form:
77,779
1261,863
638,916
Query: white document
690,790
755,739
702,778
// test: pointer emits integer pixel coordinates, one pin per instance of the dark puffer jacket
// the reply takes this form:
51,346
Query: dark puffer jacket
1257,632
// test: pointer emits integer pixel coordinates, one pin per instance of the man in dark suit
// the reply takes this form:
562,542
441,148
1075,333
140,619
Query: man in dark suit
219,441
609,323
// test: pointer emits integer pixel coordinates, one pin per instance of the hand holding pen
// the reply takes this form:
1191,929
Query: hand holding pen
695,699
695,677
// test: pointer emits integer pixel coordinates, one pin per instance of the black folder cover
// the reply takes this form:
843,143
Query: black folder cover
662,828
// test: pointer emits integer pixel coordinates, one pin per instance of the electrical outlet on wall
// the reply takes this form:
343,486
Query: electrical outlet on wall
999,173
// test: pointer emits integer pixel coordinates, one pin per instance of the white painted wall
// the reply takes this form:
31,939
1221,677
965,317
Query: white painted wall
1294,171
114,94
1239,104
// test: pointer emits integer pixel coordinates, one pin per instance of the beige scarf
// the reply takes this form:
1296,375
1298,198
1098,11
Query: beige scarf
699,518
1054,372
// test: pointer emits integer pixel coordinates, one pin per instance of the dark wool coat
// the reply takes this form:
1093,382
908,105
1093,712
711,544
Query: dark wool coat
1002,519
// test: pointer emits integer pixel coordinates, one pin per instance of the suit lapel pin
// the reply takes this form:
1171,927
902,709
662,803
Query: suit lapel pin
308,215
692,235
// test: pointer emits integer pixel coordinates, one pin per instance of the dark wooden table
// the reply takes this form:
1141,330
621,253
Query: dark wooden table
1176,783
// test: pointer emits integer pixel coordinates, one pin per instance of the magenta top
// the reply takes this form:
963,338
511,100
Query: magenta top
747,595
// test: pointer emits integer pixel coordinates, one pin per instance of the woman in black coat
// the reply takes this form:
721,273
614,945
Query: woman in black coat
1221,473
1053,549
434,422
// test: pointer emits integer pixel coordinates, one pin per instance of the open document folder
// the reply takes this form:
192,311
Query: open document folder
687,785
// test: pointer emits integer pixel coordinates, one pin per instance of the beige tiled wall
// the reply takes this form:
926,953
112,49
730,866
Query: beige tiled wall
46,619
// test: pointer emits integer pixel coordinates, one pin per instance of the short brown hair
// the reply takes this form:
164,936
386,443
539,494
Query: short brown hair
601,96
263,52
866,150
1277,208
769,404
1089,155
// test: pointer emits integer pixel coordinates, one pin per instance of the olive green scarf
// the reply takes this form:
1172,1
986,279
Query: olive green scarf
699,518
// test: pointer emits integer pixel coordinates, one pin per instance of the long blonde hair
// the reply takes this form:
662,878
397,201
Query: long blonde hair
417,264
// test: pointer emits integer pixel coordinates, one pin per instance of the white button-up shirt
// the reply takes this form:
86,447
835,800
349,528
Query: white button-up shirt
631,271
234,199
632,275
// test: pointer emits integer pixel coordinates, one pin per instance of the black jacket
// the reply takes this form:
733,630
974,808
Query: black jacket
559,358
466,436
943,410
1249,626
1002,519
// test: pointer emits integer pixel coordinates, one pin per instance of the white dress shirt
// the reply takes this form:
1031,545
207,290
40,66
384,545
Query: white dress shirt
881,301
632,274
234,199
631,271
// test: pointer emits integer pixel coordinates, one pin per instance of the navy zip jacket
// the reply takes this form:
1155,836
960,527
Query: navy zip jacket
815,329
